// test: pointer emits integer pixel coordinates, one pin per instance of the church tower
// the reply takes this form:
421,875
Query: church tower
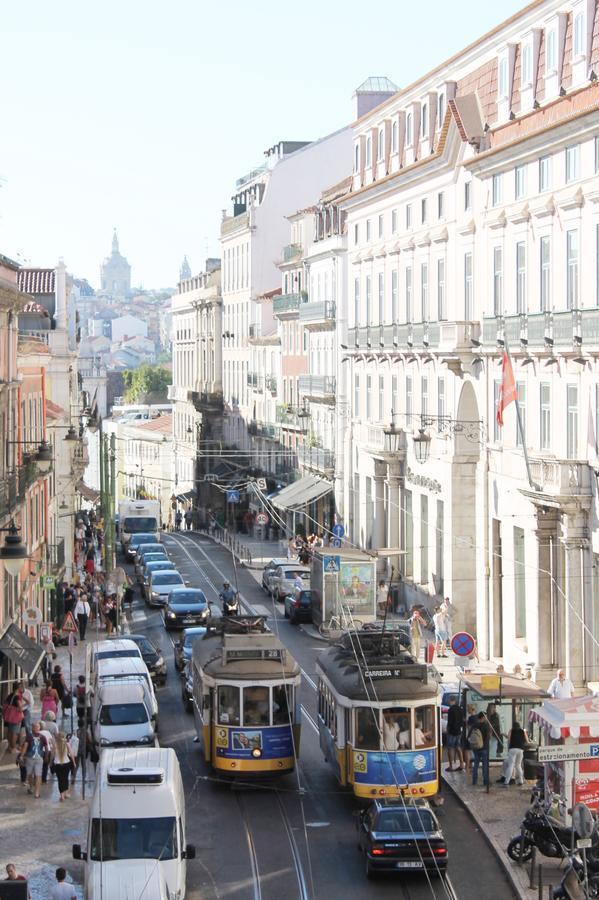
185,270
115,274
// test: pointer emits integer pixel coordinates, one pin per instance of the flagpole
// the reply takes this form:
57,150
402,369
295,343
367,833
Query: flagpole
534,486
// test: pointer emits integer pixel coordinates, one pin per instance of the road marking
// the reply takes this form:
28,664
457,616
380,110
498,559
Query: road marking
262,611
311,721
317,824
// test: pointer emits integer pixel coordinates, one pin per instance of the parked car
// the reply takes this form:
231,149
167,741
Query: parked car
185,606
398,836
152,656
269,570
449,690
160,584
155,565
187,689
284,580
298,606
144,537
145,551
183,646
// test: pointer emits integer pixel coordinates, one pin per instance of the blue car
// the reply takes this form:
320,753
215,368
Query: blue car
185,606
184,646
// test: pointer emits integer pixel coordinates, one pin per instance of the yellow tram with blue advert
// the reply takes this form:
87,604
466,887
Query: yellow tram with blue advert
379,716
246,698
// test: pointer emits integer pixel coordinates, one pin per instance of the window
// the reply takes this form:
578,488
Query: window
467,195
441,289
545,262
521,277
497,280
228,705
526,68
545,415
368,398
423,539
424,292
282,704
423,210
579,34
424,396
572,269
381,145
440,545
440,205
381,398
368,230
496,190
394,311
440,109
256,706
394,138
544,173
394,397
381,226
521,391
408,530
357,158
409,129
356,302
357,395
408,400
550,54
468,296
424,121
409,294
368,300
409,215
572,421
381,298
520,182
519,583
572,162
441,401
496,426
393,221
502,78
368,151
367,728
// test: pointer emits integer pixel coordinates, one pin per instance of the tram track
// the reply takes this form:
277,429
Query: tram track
257,889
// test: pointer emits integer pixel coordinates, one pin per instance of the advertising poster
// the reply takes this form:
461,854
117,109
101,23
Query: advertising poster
357,586
411,767
587,791
238,743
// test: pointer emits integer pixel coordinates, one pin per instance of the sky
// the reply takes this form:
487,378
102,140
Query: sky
140,115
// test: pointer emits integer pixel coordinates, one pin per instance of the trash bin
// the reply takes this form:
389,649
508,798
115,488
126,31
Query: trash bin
532,768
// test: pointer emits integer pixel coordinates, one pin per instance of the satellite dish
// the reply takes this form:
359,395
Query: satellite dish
582,820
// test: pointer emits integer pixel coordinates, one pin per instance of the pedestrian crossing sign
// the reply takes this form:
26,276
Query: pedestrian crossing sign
69,626
331,564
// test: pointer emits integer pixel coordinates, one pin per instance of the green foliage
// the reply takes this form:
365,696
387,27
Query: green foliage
146,380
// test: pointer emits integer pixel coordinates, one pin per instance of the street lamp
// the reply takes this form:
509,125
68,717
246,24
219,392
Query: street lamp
43,457
422,445
71,434
13,552
392,437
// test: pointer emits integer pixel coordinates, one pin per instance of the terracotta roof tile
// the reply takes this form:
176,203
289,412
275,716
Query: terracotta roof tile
162,424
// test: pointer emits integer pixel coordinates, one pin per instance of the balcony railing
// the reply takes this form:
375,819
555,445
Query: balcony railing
319,314
290,416
34,335
271,384
27,475
563,477
286,304
292,251
264,430
437,336
56,555
8,494
255,381
316,458
318,386
567,329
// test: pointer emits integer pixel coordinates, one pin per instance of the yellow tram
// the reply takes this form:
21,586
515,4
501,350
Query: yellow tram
379,717
246,698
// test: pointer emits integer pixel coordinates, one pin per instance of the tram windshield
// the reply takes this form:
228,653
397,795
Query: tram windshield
367,728
228,705
255,706
281,704
401,728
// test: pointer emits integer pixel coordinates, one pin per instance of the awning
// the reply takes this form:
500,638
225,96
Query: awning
88,493
186,497
19,648
302,492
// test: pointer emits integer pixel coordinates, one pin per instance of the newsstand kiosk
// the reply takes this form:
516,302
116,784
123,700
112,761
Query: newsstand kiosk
569,750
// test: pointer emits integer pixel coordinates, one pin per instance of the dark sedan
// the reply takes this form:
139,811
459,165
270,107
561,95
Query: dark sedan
144,537
152,656
184,646
185,607
298,606
396,836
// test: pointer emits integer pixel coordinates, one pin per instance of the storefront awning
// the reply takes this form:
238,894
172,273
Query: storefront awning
302,492
88,493
19,648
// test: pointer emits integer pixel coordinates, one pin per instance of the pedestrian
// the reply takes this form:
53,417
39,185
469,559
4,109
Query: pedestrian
439,623
495,726
455,725
561,688
49,729
178,520
478,741
27,706
82,614
382,595
49,698
517,740
188,519
63,763
109,613
128,595
90,560
58,683
33,750
12,713
62,890
80,697
50,655
417,623
470,721
13,875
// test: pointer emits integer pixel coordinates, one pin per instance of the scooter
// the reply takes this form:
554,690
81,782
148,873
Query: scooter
539,830
230,604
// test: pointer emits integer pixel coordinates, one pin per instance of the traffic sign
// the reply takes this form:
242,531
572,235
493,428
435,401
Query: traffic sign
261,483
262,518
33,615
233,497
338,530
331,564
48,582
69,624
462,643
336,542
565,753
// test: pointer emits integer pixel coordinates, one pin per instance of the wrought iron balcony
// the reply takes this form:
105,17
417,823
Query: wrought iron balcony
568,329
292,417
288,304
264,430
316,458
320,387
271,384
8,494
317,315
291,252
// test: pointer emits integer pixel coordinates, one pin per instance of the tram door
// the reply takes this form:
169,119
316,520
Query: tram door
348,756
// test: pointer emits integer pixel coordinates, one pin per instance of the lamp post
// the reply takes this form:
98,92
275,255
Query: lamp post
14,551
42,457
422,445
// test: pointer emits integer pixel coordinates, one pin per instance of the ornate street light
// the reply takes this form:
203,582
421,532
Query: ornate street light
392,436
422,445
13,552
71,434
43,457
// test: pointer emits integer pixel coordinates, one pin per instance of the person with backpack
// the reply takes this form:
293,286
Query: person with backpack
455,724
12,713
478,741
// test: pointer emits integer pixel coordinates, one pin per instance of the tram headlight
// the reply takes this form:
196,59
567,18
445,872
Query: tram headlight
256,752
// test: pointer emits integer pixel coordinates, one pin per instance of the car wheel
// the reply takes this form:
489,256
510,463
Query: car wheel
369,869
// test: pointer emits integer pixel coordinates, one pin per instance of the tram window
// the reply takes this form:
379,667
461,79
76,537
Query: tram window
424,726
282,707
228,705
396,728
255,706
367,728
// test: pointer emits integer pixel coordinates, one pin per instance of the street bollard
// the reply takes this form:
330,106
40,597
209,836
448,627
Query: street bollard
533,862
540,880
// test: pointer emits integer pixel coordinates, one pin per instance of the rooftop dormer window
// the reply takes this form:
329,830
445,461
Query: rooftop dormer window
424,121
368,151
409,129
381,145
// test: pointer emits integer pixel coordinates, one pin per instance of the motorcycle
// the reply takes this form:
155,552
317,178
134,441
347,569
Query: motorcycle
539,830
572,886
230,604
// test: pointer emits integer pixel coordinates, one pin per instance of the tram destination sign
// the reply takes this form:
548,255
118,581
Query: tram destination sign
407,671
256,653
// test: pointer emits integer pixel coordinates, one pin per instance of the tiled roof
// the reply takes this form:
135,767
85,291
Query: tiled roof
54,411
37,281
162,424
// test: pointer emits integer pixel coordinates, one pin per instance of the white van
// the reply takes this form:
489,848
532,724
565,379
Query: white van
121,716
129,878
111,669
137,813
120,648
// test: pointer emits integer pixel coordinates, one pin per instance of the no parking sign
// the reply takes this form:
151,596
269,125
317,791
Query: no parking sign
463,644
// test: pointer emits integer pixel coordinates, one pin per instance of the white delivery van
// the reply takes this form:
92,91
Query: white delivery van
125,667
119,648
137,813
121,716
129,878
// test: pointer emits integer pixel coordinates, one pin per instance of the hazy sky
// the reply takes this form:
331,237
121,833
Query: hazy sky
141,114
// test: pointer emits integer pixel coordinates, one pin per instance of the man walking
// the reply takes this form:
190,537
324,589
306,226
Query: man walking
455,723
82,614
417,623
188,519
478,741
33,750
62,890
561,688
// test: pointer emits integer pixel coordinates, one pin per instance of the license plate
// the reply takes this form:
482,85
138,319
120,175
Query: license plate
408,864
187,621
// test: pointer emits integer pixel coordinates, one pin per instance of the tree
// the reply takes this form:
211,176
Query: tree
144,381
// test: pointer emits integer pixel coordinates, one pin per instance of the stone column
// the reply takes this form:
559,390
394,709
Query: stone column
394,515
575,540
379,523
547,535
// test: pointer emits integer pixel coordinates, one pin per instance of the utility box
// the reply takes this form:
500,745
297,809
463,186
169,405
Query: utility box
343,583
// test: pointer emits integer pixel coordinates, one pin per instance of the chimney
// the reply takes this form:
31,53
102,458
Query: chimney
60,295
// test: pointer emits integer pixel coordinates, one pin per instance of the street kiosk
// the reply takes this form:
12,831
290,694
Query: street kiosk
343,584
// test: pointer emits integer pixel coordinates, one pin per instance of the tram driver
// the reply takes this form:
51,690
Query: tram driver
422,738
390,730
255,706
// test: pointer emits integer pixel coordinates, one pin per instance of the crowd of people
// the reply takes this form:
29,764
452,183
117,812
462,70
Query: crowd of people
302,548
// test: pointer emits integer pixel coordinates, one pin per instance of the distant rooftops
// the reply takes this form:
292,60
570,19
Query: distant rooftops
371,92
376,84
37,281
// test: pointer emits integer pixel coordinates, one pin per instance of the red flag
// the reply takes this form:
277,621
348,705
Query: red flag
507,391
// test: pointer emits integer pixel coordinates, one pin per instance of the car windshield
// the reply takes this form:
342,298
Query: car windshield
115,654
189,598
144,645
189,639
123,714
152,554
137,524
158,565
134,839
408,819
293,573
167,578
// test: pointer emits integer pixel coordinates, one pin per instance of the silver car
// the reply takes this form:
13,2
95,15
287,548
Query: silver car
286,578
161,584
